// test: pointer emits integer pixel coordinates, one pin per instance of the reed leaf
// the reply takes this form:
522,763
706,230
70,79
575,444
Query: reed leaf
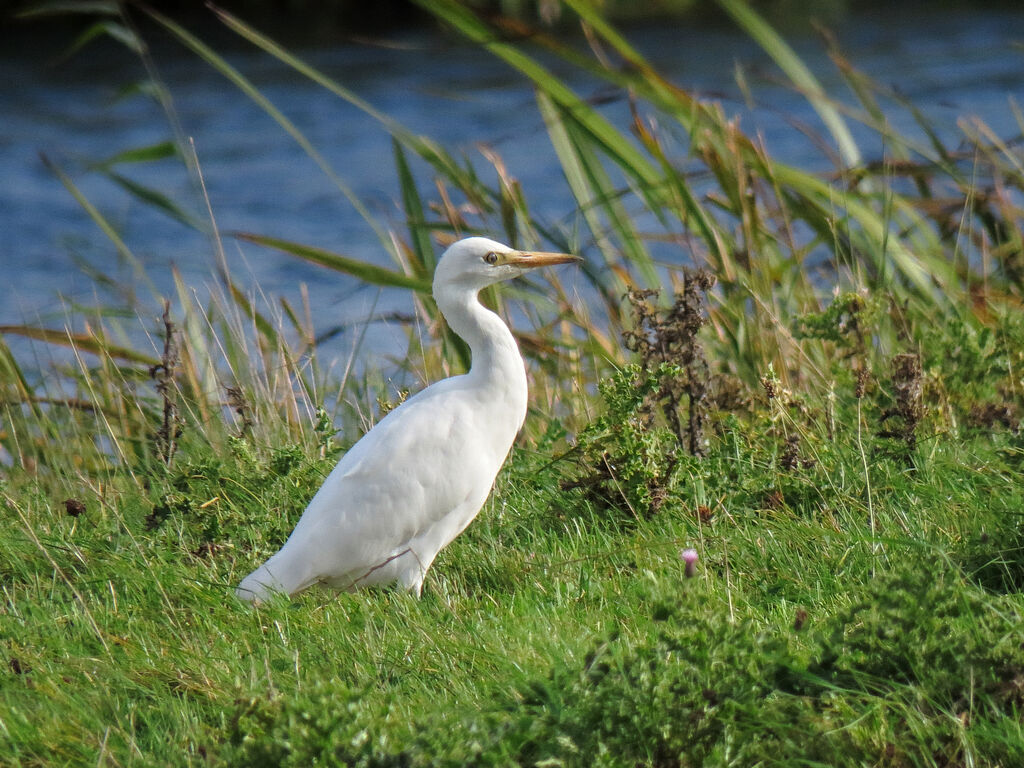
427,149
619,148
419,232
64,7
368,273
98,218
595,192
579,184
158,200
111,29
872,228
84,342
148,154
638,72
711,131
12,371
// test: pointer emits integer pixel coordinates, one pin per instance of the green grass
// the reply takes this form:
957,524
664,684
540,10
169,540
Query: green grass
559,626
858,512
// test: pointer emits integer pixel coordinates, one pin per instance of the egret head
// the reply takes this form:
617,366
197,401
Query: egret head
476,262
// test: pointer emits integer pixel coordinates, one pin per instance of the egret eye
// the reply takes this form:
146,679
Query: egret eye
491,258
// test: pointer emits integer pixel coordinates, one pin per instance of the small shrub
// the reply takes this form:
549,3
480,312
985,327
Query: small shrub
666,342
923,629
973,370
847,322
994,560
626,459
246,498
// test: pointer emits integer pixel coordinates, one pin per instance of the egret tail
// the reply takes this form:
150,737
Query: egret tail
273,576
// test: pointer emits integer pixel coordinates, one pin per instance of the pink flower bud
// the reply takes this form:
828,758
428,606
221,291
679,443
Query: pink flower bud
689,556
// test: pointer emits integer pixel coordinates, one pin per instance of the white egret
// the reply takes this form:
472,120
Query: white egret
419,477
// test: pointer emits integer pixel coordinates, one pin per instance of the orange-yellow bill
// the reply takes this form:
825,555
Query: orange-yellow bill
531,259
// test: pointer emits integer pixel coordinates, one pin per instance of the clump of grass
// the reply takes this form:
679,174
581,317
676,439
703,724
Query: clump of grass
626,460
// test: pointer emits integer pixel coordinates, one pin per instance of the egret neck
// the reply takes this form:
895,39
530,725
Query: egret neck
496,367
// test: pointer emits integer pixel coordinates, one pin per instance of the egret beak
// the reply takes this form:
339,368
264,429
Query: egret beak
533,259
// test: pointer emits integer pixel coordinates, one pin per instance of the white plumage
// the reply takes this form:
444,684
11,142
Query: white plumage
420,476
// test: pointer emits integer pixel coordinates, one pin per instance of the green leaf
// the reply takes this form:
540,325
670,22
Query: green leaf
618,147
68,7
206,53
264,326
429,150
157,200
149,154
418,230
923,275
92,343
111,29
369,273
12,371
579,173
99,220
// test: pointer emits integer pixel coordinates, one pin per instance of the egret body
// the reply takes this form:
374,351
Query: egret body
419,477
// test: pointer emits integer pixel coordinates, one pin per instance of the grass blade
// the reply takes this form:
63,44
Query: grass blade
593,192
429,150
419,232
618,147
148,154
94,213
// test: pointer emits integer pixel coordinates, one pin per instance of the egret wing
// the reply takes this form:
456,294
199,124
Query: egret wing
397,482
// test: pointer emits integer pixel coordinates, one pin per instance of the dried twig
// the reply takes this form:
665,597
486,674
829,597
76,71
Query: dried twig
671,337
240,403
167,434
908,381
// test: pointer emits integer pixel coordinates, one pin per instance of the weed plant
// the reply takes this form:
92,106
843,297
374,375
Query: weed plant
847,464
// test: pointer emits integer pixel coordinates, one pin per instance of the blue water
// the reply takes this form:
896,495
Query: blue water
950,65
